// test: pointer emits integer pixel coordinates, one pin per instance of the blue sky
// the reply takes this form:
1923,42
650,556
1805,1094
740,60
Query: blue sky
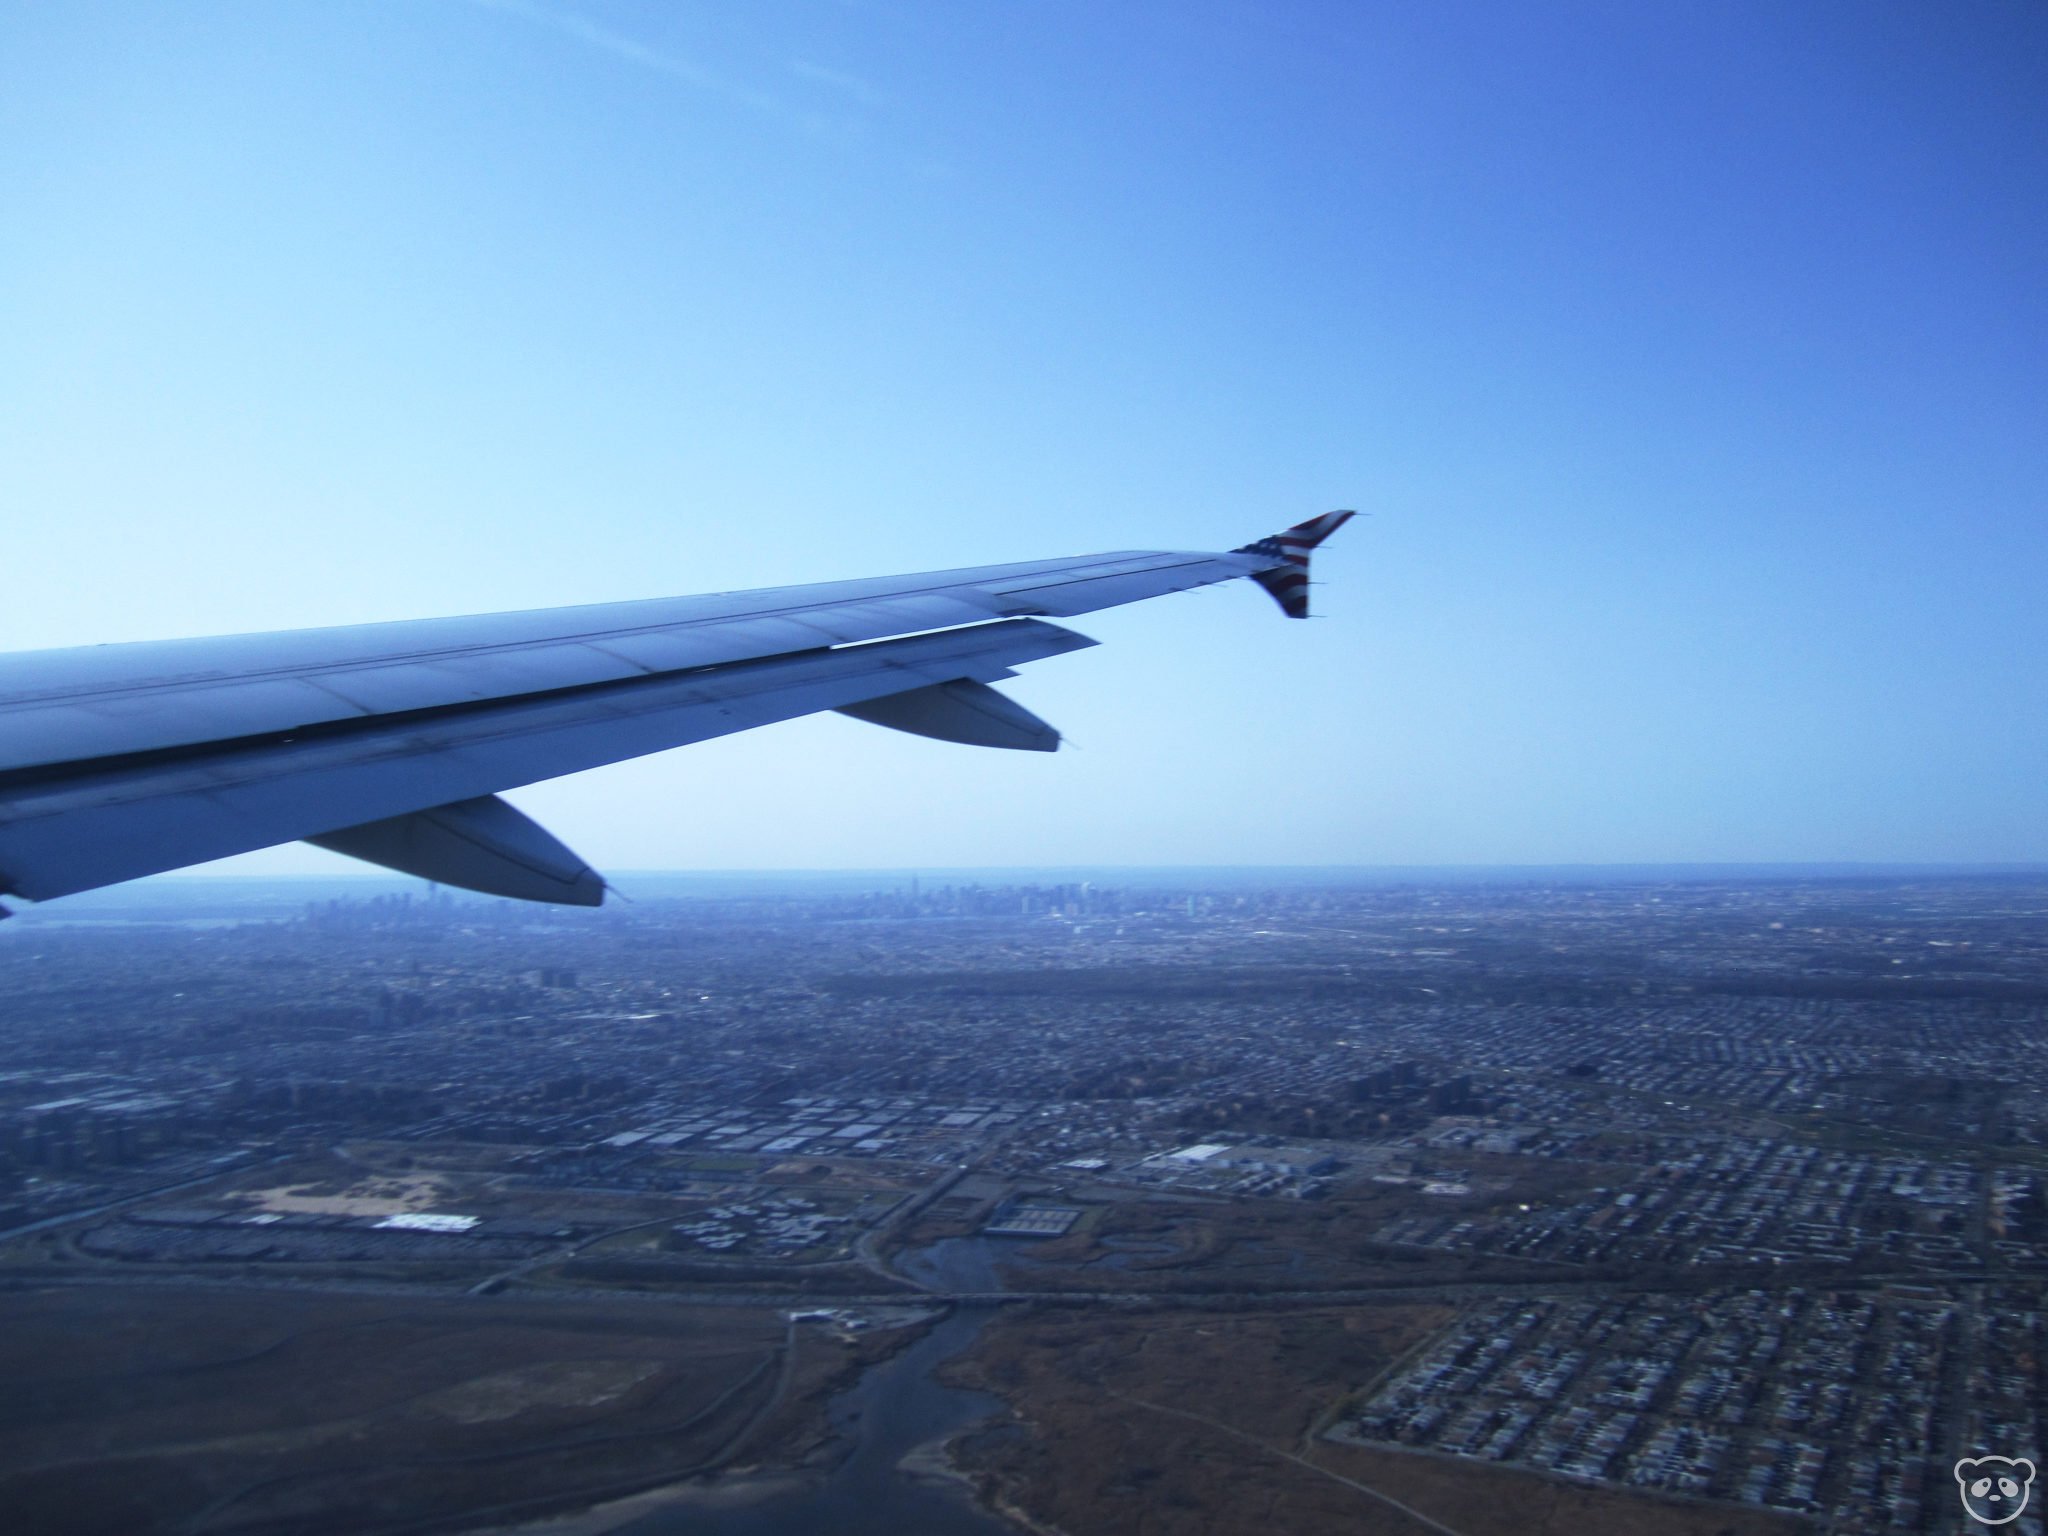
1691,359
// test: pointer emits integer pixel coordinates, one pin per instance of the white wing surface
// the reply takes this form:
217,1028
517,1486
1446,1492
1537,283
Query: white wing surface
390,741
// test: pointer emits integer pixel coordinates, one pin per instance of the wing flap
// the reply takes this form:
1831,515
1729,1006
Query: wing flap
480,845
973,714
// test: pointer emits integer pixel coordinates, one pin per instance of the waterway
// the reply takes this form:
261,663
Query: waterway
961,1263
894,1408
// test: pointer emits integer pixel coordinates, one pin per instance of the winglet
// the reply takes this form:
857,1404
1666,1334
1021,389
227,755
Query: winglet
1286,579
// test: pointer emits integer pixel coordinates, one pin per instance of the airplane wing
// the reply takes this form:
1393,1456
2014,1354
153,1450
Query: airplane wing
389,742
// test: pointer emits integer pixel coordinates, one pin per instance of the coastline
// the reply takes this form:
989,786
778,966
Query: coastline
933,1462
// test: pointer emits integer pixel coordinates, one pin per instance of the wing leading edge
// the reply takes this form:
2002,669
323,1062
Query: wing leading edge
389,741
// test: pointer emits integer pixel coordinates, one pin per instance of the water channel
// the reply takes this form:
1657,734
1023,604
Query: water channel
893,1409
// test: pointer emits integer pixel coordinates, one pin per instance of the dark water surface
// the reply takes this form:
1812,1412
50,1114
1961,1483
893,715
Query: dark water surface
961,1263
894,1408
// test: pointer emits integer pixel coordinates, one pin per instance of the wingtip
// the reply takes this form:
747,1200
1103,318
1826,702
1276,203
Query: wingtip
1286,578
1317,529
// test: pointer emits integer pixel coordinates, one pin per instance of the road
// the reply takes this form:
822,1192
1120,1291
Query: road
85,1213
767,1297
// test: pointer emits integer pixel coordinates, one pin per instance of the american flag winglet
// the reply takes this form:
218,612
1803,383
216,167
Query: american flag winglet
1287,578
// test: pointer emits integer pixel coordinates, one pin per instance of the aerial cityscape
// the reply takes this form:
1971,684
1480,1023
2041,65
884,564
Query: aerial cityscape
1361,850
1666,1201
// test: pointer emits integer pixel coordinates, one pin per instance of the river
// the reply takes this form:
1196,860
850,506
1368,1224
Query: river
895,1407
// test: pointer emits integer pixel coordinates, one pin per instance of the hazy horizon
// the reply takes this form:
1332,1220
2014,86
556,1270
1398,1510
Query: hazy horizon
646,884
